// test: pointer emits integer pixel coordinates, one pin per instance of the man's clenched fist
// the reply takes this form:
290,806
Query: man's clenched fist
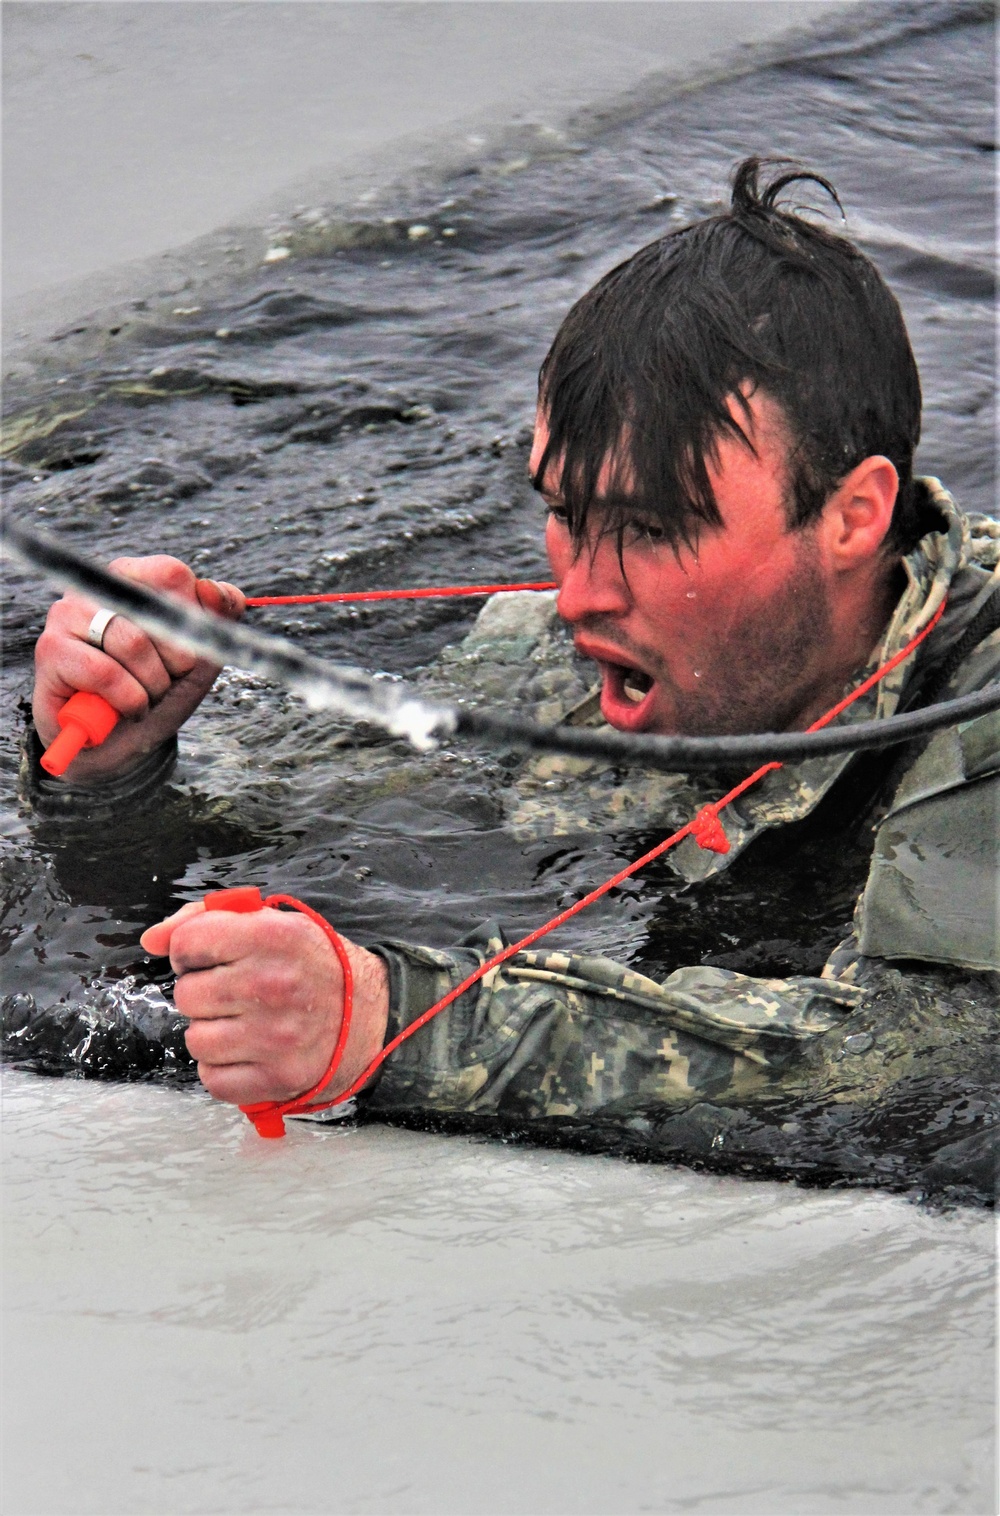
264,992
154,686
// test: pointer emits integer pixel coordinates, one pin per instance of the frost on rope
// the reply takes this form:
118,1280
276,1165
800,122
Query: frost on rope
345,691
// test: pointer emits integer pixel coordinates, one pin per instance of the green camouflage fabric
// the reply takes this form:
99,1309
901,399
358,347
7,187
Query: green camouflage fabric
564,1037
557,1034
553,1037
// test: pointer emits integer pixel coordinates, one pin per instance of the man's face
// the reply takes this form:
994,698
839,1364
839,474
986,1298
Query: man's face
728,638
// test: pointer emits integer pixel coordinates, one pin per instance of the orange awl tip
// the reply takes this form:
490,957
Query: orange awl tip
85,720
242,899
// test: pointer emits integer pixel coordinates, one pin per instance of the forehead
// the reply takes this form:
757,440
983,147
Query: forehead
760,449
540,441
614,481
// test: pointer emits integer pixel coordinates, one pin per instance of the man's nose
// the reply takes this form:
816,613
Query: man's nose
593,583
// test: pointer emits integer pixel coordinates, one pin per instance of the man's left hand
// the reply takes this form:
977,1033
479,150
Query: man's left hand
264,993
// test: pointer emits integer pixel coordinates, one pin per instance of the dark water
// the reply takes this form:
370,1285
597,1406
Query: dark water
359,415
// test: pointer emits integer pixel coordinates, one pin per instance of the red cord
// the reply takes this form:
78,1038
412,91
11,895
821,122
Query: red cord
353,596
706,828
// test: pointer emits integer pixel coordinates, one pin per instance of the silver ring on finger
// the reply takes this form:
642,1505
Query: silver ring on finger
98,627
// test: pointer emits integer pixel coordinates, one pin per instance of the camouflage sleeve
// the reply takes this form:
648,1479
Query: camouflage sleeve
554,1034
933,893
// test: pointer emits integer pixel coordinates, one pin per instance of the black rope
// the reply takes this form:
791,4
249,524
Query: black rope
685,754
349,691
372,700
983,624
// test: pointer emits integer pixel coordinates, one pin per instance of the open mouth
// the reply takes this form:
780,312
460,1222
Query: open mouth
628,695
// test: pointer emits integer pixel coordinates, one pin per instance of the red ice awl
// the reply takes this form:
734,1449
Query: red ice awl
85,720
268,1115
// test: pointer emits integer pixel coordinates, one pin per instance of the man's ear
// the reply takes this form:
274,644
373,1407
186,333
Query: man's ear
858,514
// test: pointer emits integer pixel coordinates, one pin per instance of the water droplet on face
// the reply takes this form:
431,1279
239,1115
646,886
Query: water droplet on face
697,673
691,595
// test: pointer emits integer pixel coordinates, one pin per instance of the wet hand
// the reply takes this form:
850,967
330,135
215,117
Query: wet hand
264,993
153,685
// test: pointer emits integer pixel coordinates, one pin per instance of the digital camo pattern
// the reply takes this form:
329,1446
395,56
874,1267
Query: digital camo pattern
553,1035
893,1082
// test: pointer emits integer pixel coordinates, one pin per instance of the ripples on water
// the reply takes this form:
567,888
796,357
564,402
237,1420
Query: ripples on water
358,415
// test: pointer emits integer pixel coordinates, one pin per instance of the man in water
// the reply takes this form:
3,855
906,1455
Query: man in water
724,441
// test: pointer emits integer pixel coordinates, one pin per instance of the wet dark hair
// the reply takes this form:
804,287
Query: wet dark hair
641,369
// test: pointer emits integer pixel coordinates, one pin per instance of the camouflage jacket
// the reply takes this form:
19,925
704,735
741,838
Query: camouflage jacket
552,1037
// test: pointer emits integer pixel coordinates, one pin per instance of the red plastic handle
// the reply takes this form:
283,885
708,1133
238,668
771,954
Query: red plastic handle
244,899
86,720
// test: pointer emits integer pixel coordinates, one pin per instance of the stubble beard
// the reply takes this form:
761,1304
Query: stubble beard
770,668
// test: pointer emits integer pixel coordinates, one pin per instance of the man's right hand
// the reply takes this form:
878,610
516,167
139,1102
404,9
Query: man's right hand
153,685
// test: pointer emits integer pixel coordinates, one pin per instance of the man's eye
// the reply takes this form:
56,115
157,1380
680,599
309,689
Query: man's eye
558,513
642,529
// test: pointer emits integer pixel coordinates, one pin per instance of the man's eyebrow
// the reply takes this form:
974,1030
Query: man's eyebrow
619,501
